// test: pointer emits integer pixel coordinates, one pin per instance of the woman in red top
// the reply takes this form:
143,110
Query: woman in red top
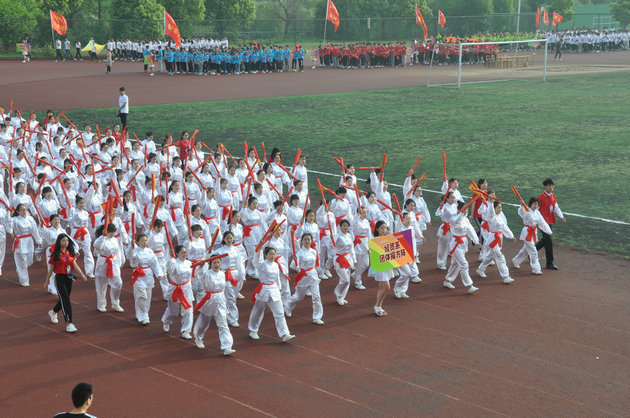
62,263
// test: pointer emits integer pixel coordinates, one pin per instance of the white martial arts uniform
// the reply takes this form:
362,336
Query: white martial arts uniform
267,293
212,305
26,234
458,246
179,294
531,219
307,281
146,268
108,253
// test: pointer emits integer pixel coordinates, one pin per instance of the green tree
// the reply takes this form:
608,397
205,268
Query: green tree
289,10
185,9
563,7
222,11
621,12
139,19
18,21
504,6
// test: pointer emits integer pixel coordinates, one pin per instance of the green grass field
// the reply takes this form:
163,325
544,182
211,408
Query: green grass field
573,129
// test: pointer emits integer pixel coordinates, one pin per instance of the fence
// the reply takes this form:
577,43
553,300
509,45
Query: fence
14,30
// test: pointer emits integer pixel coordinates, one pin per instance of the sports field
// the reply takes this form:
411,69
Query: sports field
512,133
551,345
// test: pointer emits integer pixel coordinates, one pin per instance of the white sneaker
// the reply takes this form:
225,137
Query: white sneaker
492,263
508,280
118,308
397,294
537,272
340,302
359,286
287,312
199,343
240,296
234,324
481,273
229,351
404,295
441,267
254,335
472,289
287,337
308,293
38,257
318,321
515,264
71,328
323,277
328,273
24,284
186,335
255,275
166,327
53,316
448,284
416,279
102,309
146,322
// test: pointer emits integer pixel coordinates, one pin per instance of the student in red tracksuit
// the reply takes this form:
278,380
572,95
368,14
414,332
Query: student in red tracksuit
548,209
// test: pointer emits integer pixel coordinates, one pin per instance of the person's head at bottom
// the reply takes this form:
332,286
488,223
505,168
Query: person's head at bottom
82,396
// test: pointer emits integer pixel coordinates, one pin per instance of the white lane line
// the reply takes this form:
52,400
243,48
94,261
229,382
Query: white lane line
577,215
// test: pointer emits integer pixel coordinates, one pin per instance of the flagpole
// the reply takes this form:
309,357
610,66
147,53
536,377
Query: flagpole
52,32
326,22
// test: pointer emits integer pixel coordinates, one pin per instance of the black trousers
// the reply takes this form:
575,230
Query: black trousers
123,120
64,288
58,56
546,242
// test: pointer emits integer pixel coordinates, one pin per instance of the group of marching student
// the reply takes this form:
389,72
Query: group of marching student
200,222
363,55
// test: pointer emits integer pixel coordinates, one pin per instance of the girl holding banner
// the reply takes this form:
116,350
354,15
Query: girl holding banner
383,277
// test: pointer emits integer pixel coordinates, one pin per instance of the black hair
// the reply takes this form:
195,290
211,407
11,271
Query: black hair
532,200
267,250
195,227
178,248
57,249
292,198
158,223
305,235
53,216
460,204
548,182
344,221
225,235
377,226
251,200
139,236
81,393
341,190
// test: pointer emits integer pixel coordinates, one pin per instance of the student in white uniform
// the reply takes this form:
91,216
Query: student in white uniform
446,212
268,293
26,235
458,247
146,267
212,305
345,260
497,223
179,295
81,234
307,280
107,270
531,220
362,234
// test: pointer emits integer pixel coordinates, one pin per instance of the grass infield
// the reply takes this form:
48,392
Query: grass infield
573,129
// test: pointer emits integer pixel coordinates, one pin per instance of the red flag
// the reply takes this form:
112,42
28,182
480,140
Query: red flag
441,18
556,19
58,23
546,18
420,21
538,18
170,29
332,15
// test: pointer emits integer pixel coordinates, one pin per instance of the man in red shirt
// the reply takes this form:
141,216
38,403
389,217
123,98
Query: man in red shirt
548,209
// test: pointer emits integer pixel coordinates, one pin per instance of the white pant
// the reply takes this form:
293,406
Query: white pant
204,320
142,297
230,300
101,284
258,312
363,262
442,250
496,255
173,310
88,258
22,262
341,291
300,292
529,248
406,272
251,252
459,265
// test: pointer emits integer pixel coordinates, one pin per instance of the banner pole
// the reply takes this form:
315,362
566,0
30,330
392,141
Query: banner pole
326,23
52,32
